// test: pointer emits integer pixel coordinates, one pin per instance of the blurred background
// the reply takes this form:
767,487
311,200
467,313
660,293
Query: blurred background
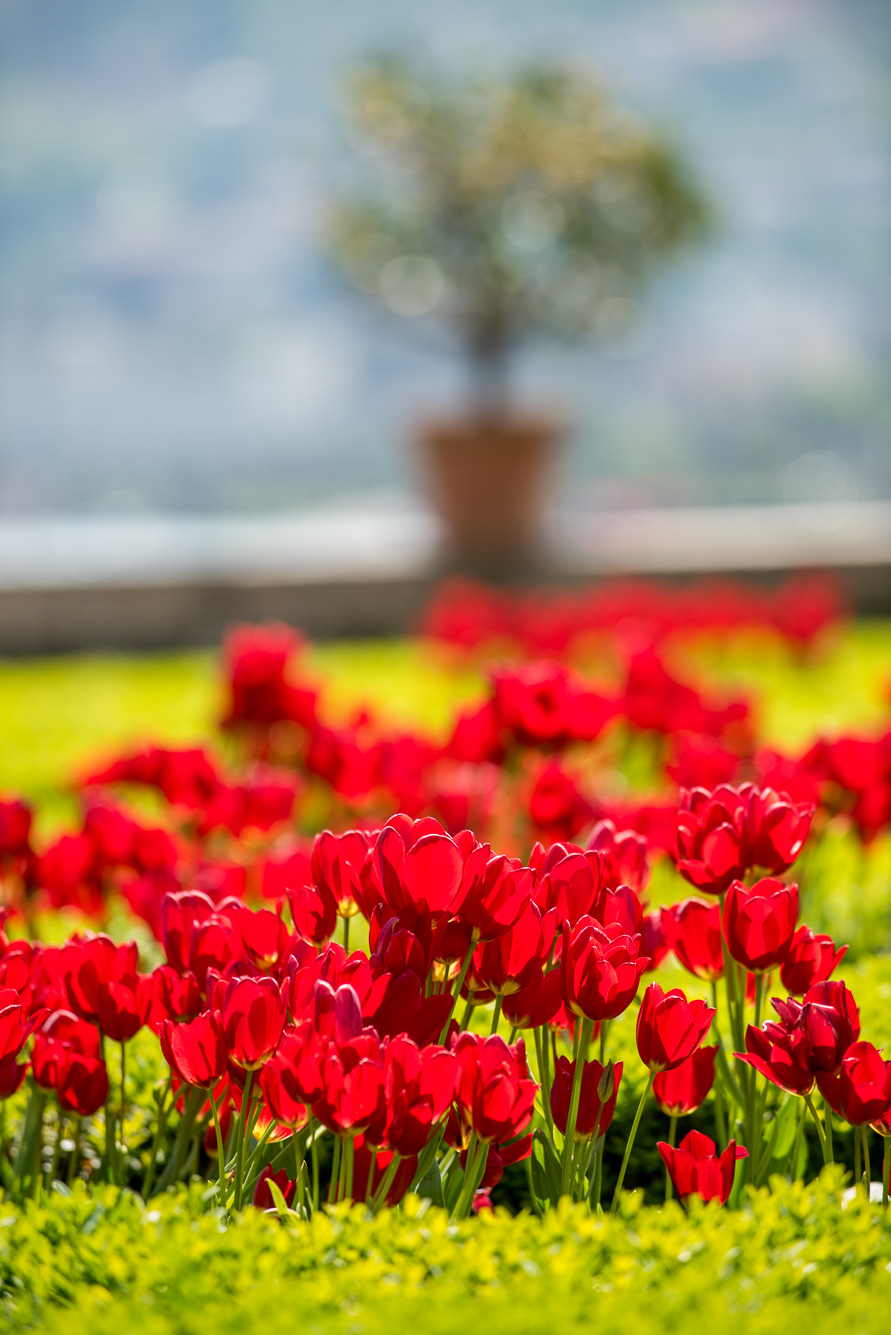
176,338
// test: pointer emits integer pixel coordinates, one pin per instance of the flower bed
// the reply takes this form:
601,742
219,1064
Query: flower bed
598,948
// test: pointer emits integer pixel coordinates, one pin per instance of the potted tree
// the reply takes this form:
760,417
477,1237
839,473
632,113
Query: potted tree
509,209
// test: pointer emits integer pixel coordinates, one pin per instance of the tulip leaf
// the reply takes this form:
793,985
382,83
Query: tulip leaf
281,1205
546,1176
430,1185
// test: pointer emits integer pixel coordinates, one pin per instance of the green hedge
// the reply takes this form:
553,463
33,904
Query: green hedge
100,1261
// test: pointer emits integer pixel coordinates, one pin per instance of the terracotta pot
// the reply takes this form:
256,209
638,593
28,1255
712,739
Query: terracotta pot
488,478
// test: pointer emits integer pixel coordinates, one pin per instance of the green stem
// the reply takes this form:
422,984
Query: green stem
242,1138
348,1151
796,1148
857,1142
864,1131
335,1170
477,1154
821,1135
496,1014
72,1162
194,1099
314,1150
672,1136
160,1125
583,1031
457,992
827,1118
386,1182
346,934
634,1125
540,1050
221,1155
57,1150
122,1150
886,1169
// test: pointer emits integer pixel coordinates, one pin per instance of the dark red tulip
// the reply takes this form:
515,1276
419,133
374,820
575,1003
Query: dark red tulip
419,1085
693,929
685,1088
417,863
861,1091
16,1026
810,959
696,1168
253,1015
669,1027
175,996
828,1017
495,897
513,959
353,1100
759,923
314,910
263,1196
195,1051
338,862
723,834
543,704
264,936
597,1099
599,970
782,1054
535,1004
495,1095
624,854
570,882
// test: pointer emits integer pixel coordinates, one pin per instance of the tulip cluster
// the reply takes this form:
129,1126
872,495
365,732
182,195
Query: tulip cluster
469,616
300,1071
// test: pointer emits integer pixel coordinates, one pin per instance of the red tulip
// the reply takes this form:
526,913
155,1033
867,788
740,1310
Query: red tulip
264,936
696,1169
723,834
195,1051
419,1085
828,1017
16,1026
624,854
495,1095
66,1059
174,996
693,929
543,704
759,923
669,1027
263,1196
495,897
861,1091
599,970
253,1015
569,881
337,864
535,1004
353,1100
685,1088
810,959
597,1100
513,959
782,1054
417,863
314,910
